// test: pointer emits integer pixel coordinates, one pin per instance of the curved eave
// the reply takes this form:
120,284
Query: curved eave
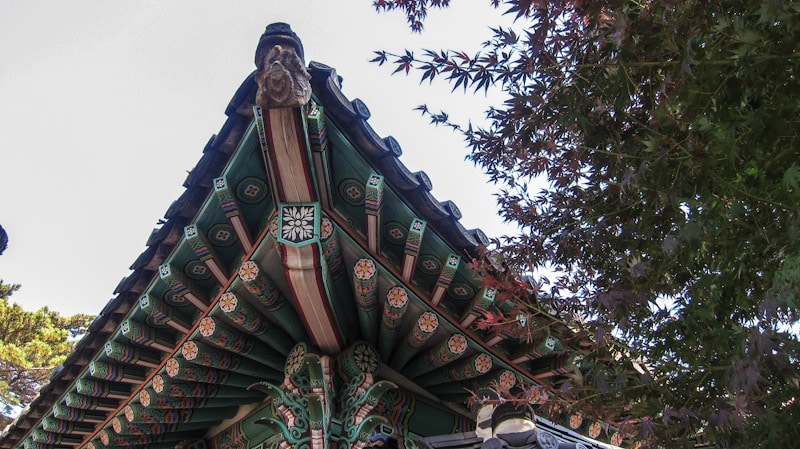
167,244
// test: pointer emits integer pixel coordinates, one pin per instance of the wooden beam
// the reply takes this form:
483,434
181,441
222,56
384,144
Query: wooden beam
413,243
230,207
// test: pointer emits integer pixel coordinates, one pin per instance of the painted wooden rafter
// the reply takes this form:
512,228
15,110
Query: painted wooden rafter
144,335
263,289
437,356
445,278
181,287
365,292
164,313
126,353
179,369
102,389
373,202
424,328
318,138
479,306
469,368
413,243
230,207
284,143
394,309
205,253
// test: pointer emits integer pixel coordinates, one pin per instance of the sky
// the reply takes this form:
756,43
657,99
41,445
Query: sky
106,105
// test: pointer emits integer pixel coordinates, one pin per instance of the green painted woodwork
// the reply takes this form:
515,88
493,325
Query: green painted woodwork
62,411
164,313
252,322
423,329
474,366
394,310
203,354
305,409
264,290
437,356
365,283
180,287
144,335
102,389
180,369
126,353
217,292
331,248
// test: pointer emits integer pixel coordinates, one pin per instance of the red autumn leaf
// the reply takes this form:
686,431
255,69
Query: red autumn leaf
490,319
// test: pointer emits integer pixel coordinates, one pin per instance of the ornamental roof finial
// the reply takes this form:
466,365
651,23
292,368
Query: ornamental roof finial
282,79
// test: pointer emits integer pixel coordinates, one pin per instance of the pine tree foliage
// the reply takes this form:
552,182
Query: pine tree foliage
650,153
32,345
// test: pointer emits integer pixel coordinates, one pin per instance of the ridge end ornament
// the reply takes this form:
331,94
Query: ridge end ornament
283,81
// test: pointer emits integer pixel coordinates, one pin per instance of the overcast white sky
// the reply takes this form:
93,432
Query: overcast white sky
105,106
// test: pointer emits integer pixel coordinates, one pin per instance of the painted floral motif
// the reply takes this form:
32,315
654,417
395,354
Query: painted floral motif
90,446
575,421
196,269
595,429
508,379
251,190
352,192
461,291
483,363
429,264
297,223
144,399
228,302
219,183
457,344
397,297
417,225
616,439
158,383
190,231
364,269
104,438
428,322
365,358
537,395
396,234
374,180
172,367
116,424
129,415
207,327
189,350
295,359
248,271
453,261
325,228
221,234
